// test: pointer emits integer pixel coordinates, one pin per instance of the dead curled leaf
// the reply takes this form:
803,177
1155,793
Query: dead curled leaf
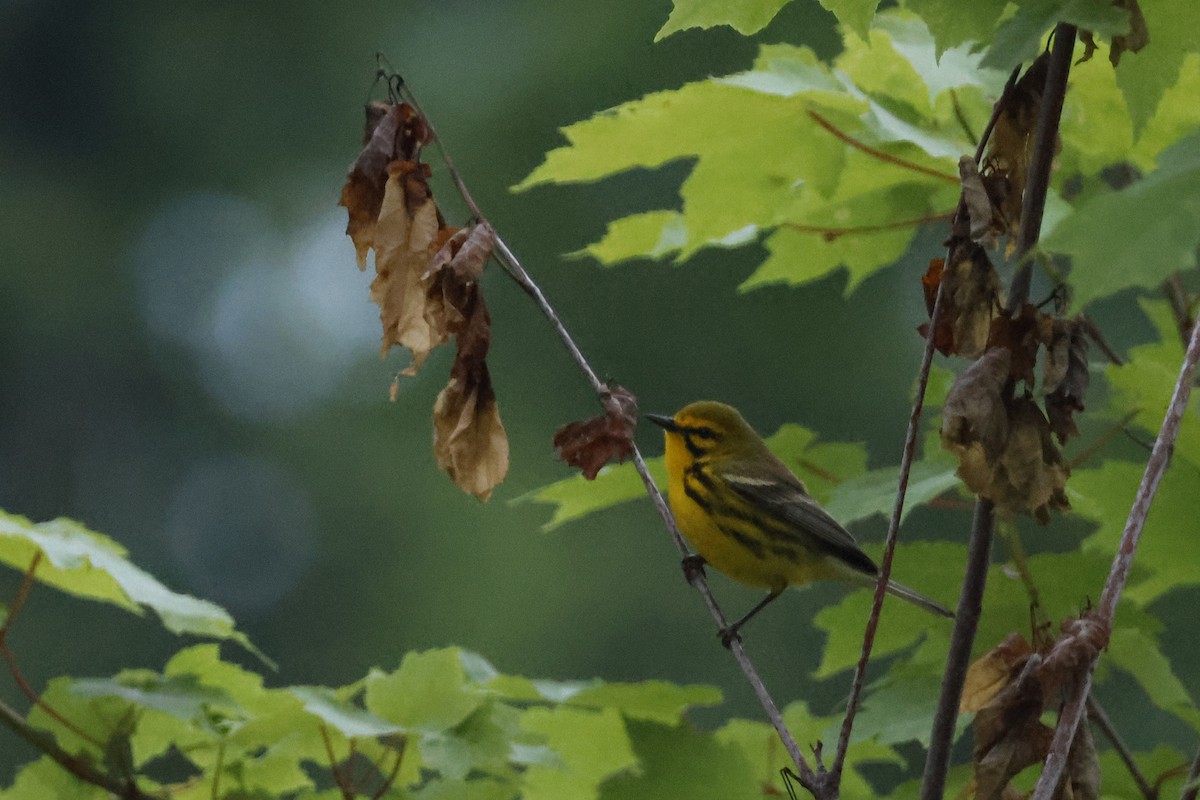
1003,446
468,437
971,298
426,287
1006,166
1010,687
590,444
1065,378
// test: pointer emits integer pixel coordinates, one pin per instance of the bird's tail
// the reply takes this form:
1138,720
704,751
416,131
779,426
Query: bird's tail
918,599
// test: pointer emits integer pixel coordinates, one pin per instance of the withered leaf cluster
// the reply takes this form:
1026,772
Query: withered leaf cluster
1004,441
1006,165
1009,689
972,298
591,443
427,288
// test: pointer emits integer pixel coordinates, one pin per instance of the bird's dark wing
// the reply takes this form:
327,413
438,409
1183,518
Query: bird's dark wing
783,497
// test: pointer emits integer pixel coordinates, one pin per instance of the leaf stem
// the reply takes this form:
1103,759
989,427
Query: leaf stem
834,233
879,154
1097,715
512,266
1192,784
81,768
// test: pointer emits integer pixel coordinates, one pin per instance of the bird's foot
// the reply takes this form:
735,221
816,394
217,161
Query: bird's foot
728,634
693,566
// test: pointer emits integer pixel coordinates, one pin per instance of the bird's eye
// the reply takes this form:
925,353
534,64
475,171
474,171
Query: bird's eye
703,432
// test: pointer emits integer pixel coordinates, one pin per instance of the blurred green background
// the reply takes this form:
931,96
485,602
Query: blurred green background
189,357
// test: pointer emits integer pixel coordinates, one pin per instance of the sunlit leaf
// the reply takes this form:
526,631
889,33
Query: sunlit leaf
744,16
94,567
1138,236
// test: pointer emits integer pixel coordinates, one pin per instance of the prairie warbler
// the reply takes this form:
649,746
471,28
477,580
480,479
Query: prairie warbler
746,513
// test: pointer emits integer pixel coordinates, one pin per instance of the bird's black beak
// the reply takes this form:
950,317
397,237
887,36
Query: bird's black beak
663,422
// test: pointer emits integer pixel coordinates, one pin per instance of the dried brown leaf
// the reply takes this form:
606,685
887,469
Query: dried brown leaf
469,441
1021,336
1031,474
1011,145
404,240
362,196
973,416
590,444
473,254
1138,36
1082,781
1065,378
1070,655
1009,734
974,285
987,224
992,671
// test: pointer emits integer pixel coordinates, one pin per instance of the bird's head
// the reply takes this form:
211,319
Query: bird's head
708,428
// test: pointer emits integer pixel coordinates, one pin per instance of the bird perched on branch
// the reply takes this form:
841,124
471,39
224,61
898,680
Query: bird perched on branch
749,516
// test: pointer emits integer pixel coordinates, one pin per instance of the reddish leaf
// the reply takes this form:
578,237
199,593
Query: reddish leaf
1020,336
363,193
590,444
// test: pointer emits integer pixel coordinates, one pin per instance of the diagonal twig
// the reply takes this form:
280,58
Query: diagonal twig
1156,466
512,266
1097,714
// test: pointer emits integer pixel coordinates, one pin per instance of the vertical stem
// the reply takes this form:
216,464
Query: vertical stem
958,658
1033,204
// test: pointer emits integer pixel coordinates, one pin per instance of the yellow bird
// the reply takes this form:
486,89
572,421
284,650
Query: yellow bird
749,516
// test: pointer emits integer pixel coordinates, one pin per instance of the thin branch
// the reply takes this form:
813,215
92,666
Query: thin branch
830,234
22,594
962,117
512,266
1102,441
907,455
1016,551
1160,457
1097,336
882,156
1097,715
391,777
338,778
81,768
1180,308
217,769
958,656
1045,142
906,459
1192,784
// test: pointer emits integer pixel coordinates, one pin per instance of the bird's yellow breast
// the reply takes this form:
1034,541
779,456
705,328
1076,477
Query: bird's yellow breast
736,547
